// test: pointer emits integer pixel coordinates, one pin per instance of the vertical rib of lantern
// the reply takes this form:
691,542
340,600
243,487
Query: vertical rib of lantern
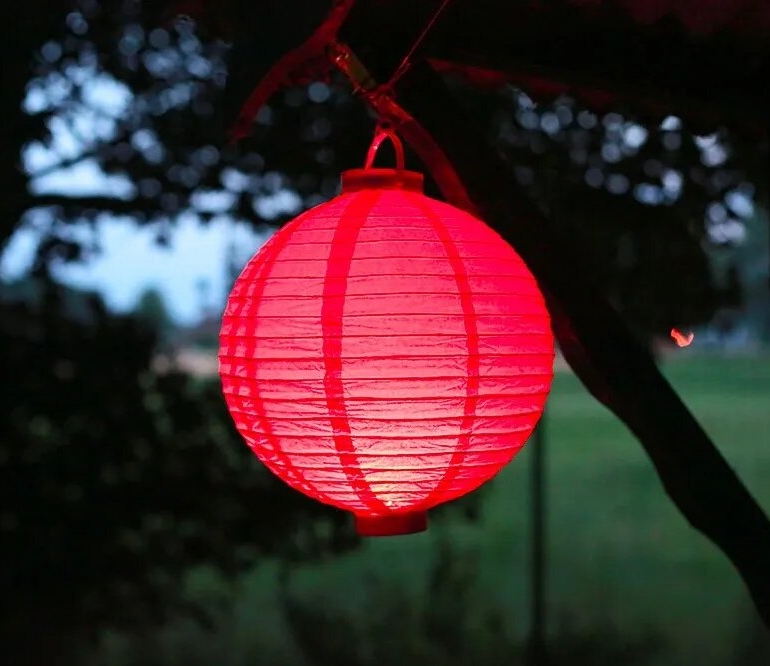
265,263
332,310
438,494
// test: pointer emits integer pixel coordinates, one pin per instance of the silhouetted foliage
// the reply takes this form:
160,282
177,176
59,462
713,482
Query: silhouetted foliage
151,309
144,104
115,480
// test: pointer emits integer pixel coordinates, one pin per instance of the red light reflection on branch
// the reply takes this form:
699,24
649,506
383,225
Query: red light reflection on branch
681,339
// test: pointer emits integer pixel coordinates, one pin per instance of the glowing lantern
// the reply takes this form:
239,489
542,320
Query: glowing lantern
385,352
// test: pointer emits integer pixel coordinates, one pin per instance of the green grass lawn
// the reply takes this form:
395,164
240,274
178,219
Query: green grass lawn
619,550
619,553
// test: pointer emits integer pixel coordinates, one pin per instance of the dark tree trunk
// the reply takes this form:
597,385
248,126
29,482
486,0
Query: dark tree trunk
615,368
25,27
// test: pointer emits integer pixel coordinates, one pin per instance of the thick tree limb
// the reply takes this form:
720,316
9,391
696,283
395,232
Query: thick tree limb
616,370
97,202
614,367
598,54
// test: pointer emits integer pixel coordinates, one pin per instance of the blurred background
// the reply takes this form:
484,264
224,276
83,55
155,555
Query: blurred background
137,529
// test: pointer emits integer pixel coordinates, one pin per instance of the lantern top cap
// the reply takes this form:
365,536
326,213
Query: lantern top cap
371,178
355,180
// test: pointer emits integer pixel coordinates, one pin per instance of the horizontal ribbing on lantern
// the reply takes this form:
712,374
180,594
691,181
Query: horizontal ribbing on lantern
425,405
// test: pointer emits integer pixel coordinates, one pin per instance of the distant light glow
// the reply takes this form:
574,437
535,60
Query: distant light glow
672,181
681,339
634,135
671,123
741,204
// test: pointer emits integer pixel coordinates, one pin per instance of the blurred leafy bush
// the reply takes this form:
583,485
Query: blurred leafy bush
116,481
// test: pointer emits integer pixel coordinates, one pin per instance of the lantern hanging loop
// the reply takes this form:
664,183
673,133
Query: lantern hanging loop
381,133
378,177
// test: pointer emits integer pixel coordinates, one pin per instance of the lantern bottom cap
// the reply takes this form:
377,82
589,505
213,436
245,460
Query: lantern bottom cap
392,525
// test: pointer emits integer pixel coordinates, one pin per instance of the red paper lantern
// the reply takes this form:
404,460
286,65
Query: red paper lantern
385,352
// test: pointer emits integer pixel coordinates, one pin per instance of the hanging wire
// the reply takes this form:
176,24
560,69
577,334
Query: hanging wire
407,61
365,86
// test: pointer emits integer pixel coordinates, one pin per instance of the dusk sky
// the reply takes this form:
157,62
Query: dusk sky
131,260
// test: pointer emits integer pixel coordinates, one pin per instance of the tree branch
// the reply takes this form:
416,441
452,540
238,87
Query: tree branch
598,345
100,203
616,370
715,80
